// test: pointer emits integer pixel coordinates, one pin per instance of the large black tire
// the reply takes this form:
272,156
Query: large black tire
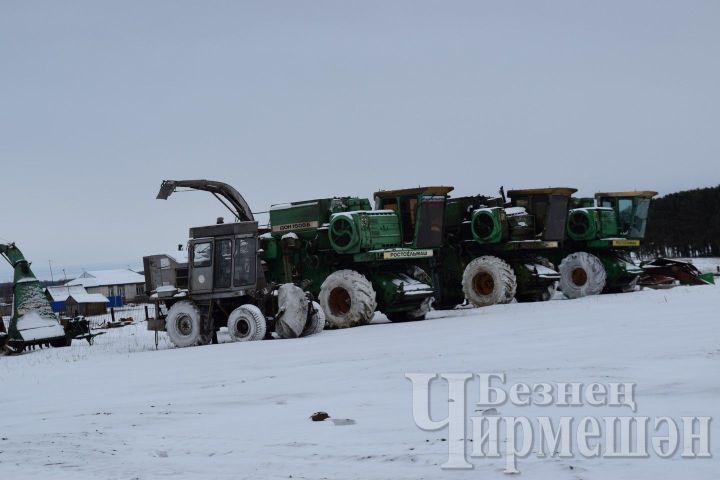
184,325
348,299
489,280
246,324
582,274
316,321
294,305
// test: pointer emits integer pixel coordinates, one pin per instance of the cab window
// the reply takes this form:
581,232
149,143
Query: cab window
625,212
245,262
432,216
202,254
407,218
223,263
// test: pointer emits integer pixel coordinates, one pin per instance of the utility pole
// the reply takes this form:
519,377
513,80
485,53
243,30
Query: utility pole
52,279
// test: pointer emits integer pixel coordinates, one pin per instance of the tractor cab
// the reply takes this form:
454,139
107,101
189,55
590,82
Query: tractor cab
420,211
226,284
631,211
223,259
541,212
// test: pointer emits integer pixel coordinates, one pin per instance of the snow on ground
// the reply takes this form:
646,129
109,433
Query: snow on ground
119,409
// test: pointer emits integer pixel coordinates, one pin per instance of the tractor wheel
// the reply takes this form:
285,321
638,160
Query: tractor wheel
489,280
183,324
582,274
246,324
348,299
316,322
411,315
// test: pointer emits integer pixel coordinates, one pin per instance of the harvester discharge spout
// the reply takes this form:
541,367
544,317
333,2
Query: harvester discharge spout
33,321
238,206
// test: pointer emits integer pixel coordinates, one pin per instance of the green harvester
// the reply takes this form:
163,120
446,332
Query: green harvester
601,235
355,258
495,250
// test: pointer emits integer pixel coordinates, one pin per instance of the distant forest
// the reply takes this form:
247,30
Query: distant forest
684,224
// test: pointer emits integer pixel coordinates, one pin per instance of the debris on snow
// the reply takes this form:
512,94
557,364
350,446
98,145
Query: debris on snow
319,416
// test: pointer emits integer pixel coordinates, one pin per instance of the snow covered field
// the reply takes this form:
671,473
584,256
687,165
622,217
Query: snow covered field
121,410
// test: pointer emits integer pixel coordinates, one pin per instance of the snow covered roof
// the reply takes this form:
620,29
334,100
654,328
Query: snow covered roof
100,278
89,298
61,293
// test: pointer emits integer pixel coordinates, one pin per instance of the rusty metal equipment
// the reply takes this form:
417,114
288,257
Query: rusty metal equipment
667,273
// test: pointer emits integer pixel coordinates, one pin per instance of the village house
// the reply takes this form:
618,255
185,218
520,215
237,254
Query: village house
119,286
86,304
75,300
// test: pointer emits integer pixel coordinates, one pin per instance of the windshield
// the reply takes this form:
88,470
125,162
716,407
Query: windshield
639,221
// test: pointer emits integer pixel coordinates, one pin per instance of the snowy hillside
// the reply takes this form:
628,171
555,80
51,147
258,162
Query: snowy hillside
119,409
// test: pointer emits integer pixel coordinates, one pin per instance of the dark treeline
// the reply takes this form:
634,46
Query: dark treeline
685,224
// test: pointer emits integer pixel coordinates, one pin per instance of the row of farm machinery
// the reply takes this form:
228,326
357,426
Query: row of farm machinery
403,253
334,262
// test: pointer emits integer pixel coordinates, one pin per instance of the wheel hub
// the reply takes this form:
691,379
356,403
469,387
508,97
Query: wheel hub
184,325
339,301
579,276
483,283
242,327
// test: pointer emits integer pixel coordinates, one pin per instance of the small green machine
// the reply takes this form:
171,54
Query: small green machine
355,258
33,321
495,250
601,234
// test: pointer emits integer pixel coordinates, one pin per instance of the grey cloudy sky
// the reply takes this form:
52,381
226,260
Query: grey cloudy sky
291,100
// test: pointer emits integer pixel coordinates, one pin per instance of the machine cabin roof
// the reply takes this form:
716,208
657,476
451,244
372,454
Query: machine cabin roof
436,190
543,191
641,193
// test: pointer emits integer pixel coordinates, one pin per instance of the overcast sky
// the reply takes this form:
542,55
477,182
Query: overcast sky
100,101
